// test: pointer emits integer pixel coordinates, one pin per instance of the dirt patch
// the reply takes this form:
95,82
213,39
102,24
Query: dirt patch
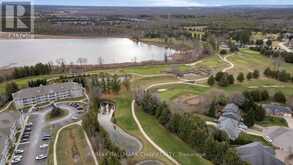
189,99
189,103
74,149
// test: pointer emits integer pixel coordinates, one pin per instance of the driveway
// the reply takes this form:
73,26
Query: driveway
126,142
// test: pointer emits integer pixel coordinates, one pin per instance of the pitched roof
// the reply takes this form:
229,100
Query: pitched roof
274,108
230,121
42,90
232,111
230,126
258,154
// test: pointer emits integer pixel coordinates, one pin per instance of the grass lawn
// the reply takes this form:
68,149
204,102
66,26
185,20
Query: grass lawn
173,91
212,62
168,141
72,147
125,120
286,88
62,114
247,138
273,121
247,60
147,81
22,82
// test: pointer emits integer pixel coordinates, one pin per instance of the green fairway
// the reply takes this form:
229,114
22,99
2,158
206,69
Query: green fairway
147,81
171,92
247,60
125,120
269,84
169,142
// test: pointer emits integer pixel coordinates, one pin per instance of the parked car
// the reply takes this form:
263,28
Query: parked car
17,157
18,151
30,124
27,130
15,161
45,138
24,140
74,118
26,136
44,146
41,156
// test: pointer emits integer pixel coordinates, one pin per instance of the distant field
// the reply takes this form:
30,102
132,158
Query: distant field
72,147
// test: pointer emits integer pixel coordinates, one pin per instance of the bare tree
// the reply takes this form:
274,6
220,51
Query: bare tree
82,61
61,63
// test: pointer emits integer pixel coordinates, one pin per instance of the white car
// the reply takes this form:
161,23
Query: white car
18,151
44,146
15,160
74,118
41,156
17,157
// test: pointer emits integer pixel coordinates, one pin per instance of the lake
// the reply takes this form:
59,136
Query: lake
110,50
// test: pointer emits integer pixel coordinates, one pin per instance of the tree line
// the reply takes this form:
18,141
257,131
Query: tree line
224,79
37,83
38,69
192,130
271,52
111,154
282,75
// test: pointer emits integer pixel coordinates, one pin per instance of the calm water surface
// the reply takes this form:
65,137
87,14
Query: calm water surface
110,50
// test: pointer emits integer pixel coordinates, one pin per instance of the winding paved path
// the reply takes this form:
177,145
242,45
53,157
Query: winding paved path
170,83
6,107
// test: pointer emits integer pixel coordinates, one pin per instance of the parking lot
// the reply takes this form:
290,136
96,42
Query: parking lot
36,136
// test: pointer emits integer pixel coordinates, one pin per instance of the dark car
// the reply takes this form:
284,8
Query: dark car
45,138
26,136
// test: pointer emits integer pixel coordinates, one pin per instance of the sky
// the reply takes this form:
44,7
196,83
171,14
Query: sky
162,2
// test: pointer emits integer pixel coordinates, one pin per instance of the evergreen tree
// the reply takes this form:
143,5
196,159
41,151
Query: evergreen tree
212,110
260,113
211,80
268,72
265,95
249,118
219,76
256,74
11,88
231,79
249,76
240,77
280,97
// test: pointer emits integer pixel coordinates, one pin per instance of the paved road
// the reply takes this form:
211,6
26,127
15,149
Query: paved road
284,47
6,107
231,66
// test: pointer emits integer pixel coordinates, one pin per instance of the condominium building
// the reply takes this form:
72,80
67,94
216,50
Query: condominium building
44,94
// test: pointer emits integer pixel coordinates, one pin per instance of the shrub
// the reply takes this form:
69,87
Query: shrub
211,80
280,97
